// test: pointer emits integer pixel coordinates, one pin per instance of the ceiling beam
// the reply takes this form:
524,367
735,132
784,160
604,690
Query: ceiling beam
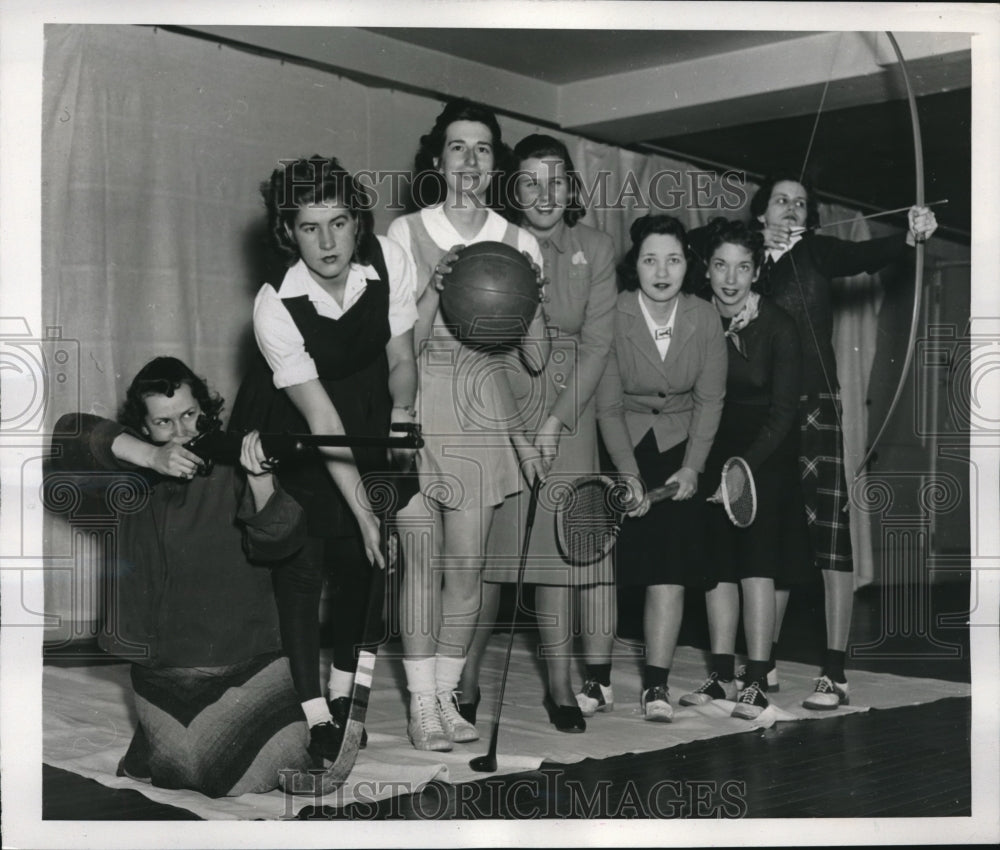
759,83
749,85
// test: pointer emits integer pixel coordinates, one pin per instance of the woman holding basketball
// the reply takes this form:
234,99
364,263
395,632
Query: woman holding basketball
469,464
579,264
336,339
658,407
758,425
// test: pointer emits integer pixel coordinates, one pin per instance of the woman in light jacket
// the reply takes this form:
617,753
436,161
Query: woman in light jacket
658,407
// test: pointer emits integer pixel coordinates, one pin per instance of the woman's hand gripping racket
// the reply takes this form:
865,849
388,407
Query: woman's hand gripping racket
590,513
737,492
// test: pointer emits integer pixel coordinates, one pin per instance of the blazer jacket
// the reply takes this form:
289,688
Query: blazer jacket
580,266
679,397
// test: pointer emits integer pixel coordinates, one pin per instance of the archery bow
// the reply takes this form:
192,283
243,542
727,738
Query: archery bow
918,274
919,246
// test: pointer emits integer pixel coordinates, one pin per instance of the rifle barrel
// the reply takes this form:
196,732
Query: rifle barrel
224,446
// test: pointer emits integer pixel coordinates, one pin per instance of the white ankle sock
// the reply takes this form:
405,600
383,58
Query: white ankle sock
448,672
420,674
316,711
341,683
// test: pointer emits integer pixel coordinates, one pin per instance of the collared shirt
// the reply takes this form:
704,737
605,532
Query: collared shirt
775,254
445,236
661,333
279,338
557,238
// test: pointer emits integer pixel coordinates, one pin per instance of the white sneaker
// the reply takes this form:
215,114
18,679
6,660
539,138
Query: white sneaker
712,688
772,679
456,727
828,695
425,729
595,697
655,703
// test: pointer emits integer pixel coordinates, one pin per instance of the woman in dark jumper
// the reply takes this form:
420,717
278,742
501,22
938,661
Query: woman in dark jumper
759,425
336,335
797,276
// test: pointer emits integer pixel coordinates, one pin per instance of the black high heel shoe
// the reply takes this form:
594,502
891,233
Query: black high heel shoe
468,709
566,718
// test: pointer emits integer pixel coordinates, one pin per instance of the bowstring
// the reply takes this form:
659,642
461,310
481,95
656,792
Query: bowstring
822,102
795,271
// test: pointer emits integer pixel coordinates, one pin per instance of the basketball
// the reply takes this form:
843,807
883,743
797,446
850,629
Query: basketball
491,294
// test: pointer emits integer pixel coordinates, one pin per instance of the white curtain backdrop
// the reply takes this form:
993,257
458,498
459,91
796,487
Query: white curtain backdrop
154,144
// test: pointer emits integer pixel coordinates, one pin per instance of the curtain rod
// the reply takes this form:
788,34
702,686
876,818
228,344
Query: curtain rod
635,147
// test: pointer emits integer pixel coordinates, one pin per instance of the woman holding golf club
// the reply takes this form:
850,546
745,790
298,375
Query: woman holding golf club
545,195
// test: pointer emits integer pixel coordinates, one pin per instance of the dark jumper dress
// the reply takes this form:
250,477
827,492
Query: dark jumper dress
760,424
349,353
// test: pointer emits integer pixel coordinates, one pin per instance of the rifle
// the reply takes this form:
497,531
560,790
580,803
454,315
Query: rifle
213,445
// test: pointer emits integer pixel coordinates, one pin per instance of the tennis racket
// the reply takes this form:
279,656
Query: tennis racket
737,492
590,513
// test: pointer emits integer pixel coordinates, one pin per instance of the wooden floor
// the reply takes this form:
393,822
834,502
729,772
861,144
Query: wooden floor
903,762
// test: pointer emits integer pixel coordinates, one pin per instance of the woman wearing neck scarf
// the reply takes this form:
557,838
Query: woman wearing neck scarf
758,424
798,276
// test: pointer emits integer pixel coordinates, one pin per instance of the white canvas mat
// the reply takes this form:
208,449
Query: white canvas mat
88,723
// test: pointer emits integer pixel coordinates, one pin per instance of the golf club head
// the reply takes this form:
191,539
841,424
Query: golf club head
484,764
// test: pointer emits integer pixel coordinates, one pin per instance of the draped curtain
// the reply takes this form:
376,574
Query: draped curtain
154,144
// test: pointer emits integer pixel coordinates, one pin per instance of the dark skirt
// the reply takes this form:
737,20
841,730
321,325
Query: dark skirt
362,401
666,546
776,545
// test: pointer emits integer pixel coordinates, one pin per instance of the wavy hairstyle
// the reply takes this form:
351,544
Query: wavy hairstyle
762,197
649,225
164,376
314,180
429,187
722,231
538,146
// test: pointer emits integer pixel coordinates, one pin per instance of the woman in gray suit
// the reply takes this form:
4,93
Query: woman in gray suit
579,263
658,407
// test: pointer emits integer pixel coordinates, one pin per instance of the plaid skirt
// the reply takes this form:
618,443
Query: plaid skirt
824,485
223,731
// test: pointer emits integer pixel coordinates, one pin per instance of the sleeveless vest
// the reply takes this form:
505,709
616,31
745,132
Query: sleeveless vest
426,252
350,358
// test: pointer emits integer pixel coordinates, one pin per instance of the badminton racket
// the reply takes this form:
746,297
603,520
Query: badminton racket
590,513
737,492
